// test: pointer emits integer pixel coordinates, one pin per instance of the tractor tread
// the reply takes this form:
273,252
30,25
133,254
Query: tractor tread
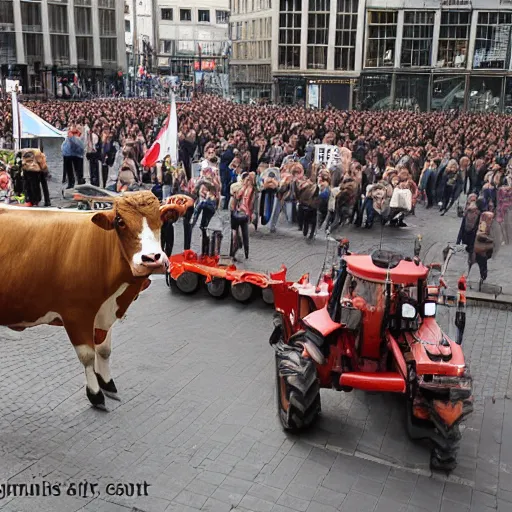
302,388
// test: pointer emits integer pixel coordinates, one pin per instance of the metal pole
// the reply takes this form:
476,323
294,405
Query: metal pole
135,45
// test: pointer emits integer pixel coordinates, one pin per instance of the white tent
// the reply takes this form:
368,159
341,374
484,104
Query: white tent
33,127
27,125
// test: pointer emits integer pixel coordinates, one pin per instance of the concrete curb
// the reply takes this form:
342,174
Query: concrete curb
501,301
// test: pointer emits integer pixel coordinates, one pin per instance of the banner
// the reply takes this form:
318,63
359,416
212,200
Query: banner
323,153
16,123
313,96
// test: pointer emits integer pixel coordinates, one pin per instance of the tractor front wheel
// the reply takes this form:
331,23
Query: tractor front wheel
218,287
188,282
242,292
298,388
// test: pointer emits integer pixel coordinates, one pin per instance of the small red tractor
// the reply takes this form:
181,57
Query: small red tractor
371,325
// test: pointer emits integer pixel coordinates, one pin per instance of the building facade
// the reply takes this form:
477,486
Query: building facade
193,42
251,59
44,43
381,54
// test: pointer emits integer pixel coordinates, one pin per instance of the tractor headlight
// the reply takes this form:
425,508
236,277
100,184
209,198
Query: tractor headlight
408,311
430,309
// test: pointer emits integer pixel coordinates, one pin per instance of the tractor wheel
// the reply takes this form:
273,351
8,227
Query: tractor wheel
298,389
218,288
267,295
242,292
188,282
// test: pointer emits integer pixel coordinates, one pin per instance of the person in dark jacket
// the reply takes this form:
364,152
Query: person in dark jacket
226,158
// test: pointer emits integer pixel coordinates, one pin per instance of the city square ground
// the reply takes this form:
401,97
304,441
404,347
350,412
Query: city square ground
197,420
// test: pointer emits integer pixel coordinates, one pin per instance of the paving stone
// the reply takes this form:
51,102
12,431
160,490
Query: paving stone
256,504
367,486
398,490
389,505
213,505
265,492
360,502
191,499
458,493
329,497
293,502
427,493
320,507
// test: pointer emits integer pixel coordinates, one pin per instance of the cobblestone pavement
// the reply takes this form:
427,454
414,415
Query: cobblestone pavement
197,418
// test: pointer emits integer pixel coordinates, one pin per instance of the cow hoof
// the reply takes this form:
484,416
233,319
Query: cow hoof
96,399
108,387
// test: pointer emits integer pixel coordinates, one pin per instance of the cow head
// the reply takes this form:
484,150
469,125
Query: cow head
137,217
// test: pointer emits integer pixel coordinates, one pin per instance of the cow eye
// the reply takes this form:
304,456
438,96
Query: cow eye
120,222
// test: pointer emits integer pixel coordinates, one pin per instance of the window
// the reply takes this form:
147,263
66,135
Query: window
318,33
31,17
346,30
58,17
411,92
84,50
185,15
108,49
127,26
221,17
33,47
83,21
85,3
107,4
453,39
107,22
492,40
203,16
417,38
6,14
167,46
485,94
375,92
289,33
380,50
166,14
448,92
60,49
8,47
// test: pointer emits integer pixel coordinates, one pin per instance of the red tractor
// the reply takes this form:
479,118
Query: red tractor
371,325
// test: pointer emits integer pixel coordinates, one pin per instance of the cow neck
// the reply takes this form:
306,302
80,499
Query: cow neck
124,258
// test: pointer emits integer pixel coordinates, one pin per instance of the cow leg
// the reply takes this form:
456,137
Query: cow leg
102,366
82,339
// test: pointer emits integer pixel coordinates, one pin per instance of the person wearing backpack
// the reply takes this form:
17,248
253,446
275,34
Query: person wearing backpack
93,154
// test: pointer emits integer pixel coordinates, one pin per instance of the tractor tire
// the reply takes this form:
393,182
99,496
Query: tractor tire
298,388
267,295
242,292
218,288
188,283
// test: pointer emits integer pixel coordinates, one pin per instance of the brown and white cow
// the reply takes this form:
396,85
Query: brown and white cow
81,270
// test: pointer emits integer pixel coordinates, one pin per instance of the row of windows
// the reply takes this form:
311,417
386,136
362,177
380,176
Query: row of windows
252,50
203,15
191,47
256,29
493,45
246,6
58,17
435,92
255,73
33,44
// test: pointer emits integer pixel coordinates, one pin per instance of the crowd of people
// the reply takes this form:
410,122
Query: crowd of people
385,162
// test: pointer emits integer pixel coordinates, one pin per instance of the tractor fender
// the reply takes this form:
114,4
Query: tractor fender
321,321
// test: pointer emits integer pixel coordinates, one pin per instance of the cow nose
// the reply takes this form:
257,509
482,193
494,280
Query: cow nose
151,258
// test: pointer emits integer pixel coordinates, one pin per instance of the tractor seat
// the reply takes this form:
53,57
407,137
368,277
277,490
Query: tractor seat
321,321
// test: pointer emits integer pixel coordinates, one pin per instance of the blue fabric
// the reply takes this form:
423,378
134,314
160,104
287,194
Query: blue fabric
73,146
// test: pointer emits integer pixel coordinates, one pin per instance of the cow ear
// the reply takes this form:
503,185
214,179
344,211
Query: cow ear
104,220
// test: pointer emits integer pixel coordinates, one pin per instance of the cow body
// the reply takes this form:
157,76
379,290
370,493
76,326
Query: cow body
80,270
